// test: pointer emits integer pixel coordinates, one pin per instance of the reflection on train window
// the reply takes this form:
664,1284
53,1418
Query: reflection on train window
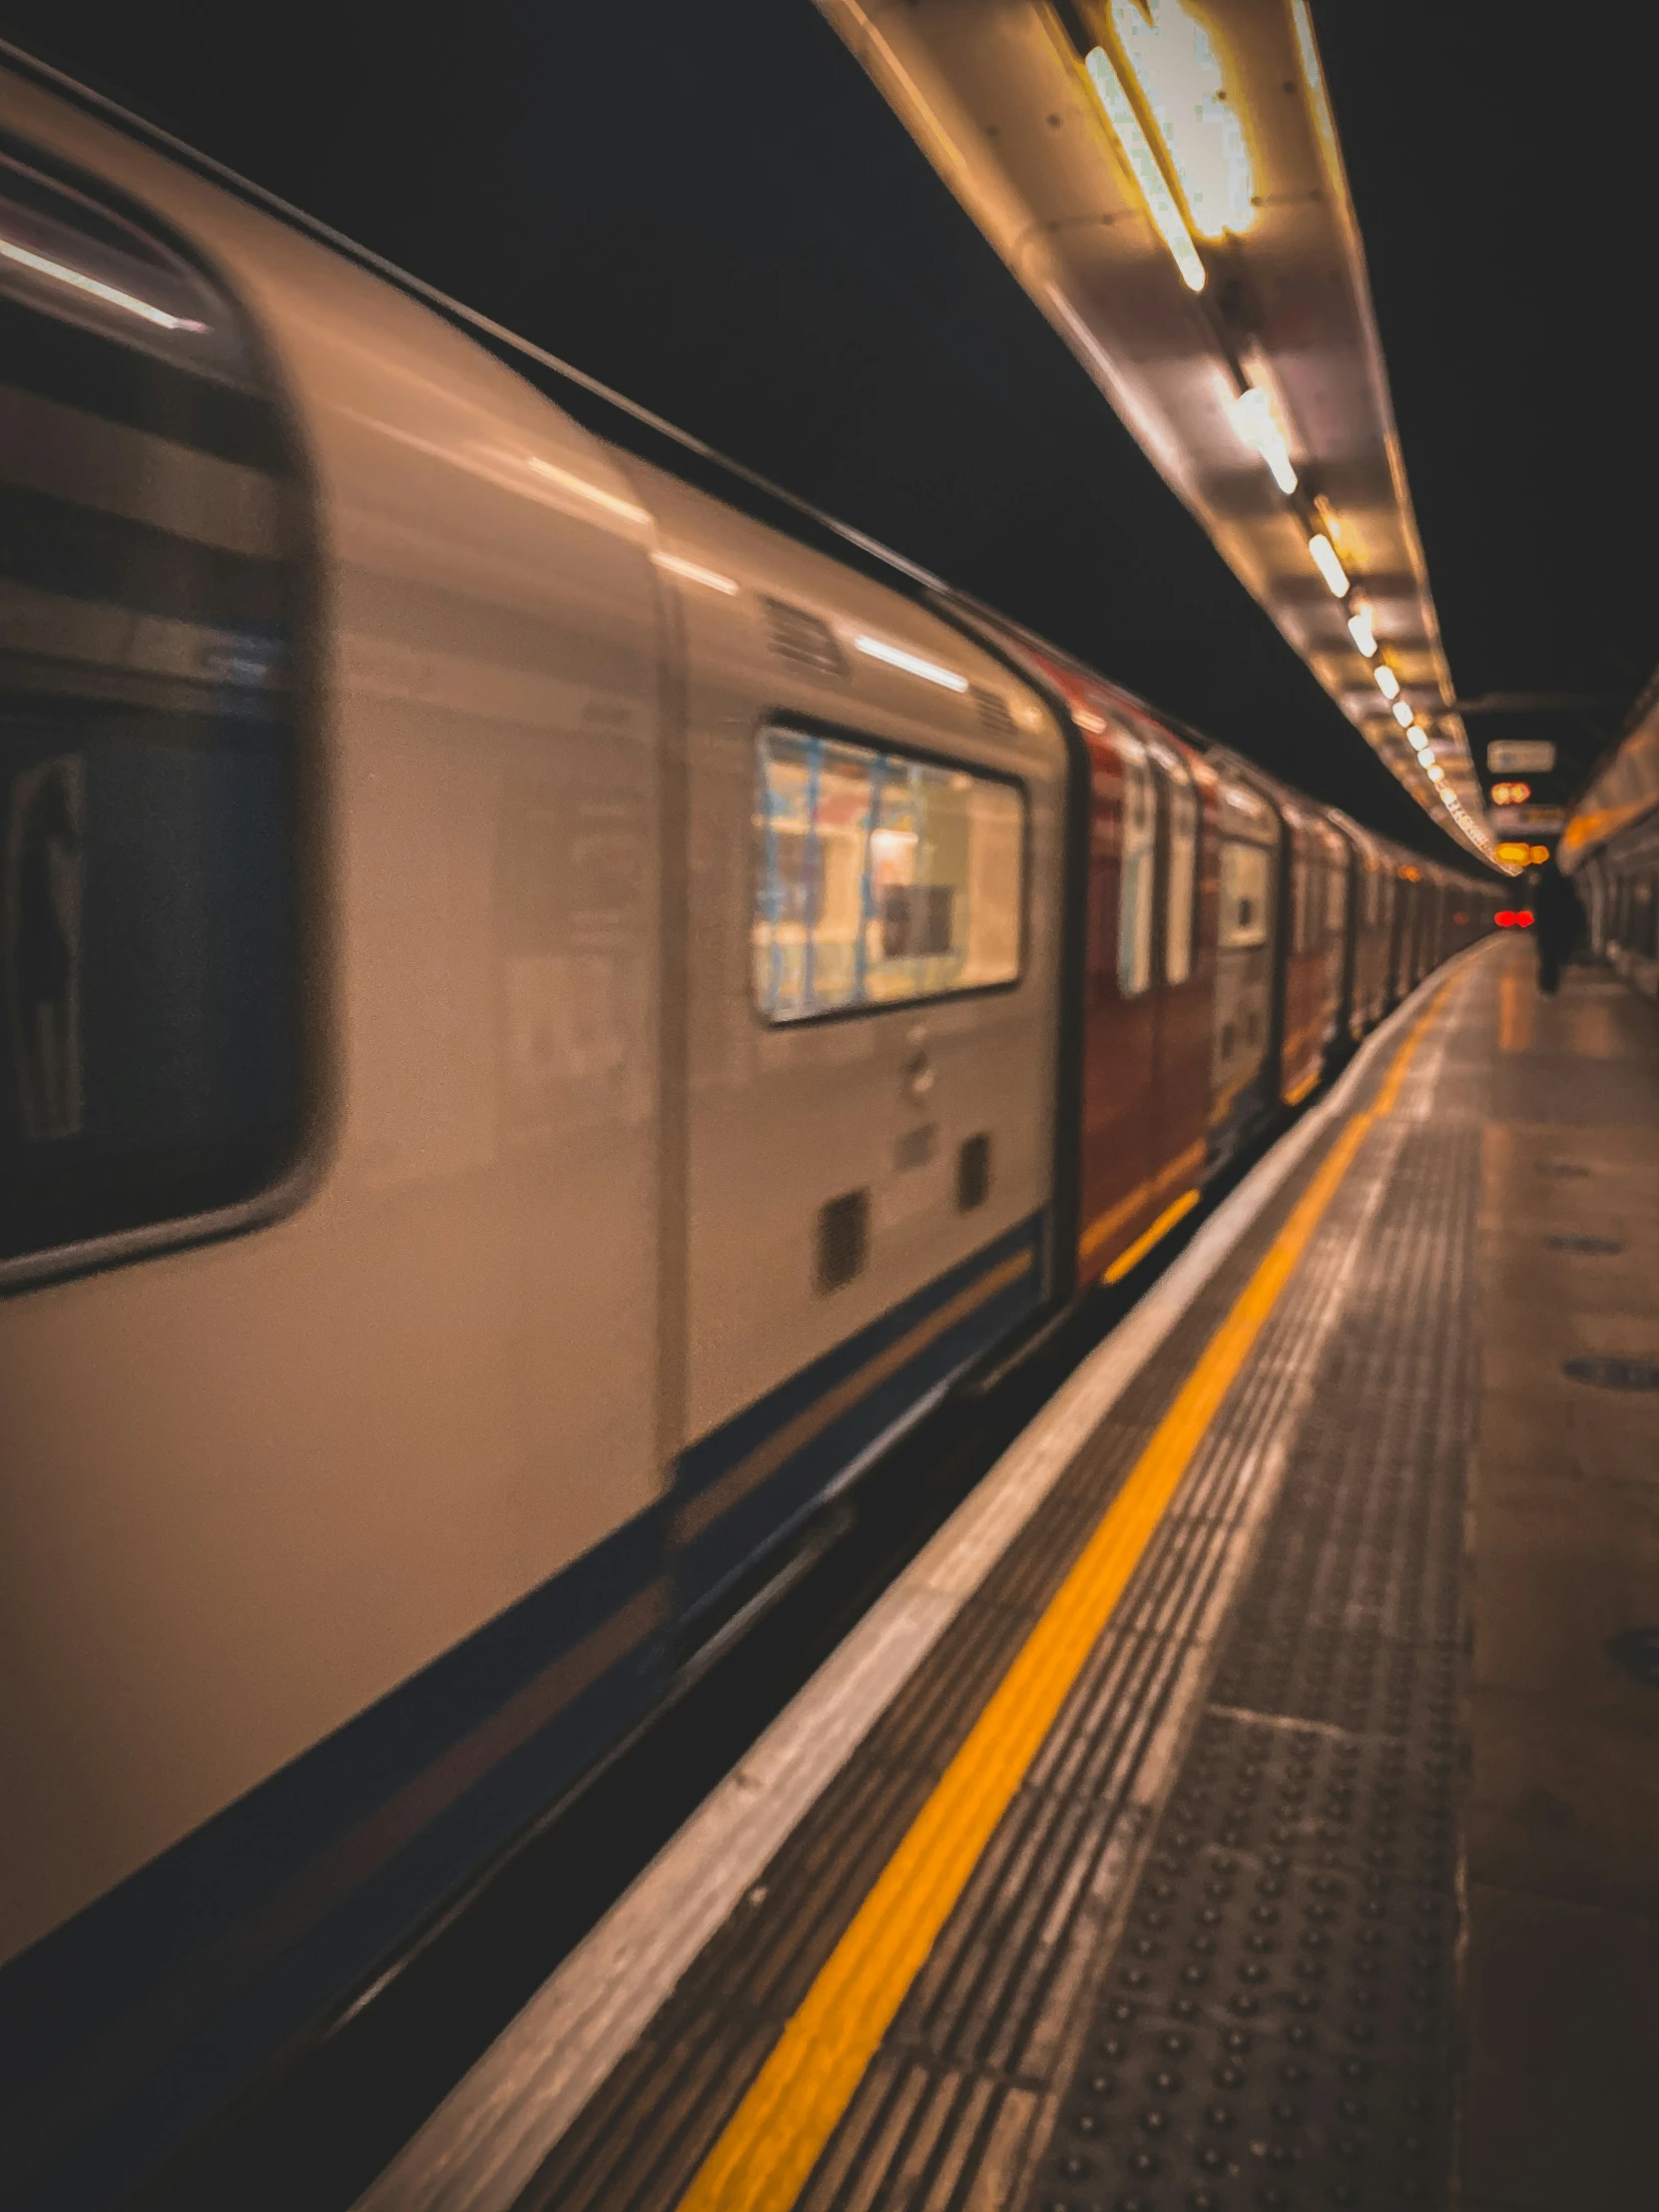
879,878
1336,899
1139,856
1246,872
1181,886
148,994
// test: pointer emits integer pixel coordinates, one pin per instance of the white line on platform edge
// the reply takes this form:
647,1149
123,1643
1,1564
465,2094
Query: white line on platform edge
483,2145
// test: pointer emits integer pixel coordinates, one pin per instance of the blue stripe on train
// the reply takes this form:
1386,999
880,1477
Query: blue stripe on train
712,1556
124,2031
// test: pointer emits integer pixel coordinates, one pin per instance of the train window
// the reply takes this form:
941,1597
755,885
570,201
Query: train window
1137,863
149,1044
1246,878
879,878
1181,881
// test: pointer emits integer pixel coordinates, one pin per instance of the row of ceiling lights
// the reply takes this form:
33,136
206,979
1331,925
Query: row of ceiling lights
1173,66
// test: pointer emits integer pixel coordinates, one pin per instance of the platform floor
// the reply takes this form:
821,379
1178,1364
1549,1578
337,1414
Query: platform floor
1251,1798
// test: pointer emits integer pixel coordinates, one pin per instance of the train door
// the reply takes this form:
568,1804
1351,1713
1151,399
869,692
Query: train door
1642,918
873,870
1346,915
1399,935
1337,883
1180,1075
1306,966
1246,902
1120,999
1381,933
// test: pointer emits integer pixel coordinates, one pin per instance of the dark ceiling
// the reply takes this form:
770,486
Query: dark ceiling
713,210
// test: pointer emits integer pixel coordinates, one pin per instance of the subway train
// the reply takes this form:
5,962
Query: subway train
556,1005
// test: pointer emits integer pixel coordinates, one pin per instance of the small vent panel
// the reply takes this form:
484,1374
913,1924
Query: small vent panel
805,639
993,711
973,1173
915,1148
843,1238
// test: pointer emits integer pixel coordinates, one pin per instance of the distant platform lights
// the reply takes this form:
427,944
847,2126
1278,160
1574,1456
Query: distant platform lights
1162,90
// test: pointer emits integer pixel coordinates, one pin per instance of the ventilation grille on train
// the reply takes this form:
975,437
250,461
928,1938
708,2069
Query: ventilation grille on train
797,636
993,711
843,1238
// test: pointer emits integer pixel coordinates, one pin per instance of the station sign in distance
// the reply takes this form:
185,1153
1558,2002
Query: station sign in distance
1539,822
1520,756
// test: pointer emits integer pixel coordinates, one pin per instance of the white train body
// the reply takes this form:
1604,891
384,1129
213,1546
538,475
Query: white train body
354,1508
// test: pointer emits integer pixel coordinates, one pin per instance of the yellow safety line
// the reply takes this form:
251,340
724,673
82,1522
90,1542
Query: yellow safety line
1294,1098
1144,1243
771,2145
1105,1225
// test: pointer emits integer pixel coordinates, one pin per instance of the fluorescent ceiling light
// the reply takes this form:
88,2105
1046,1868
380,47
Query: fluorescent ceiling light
1252,412
694,573
1137,151
1326,561
1180,78
1364,636
912,664
1405,715
1437,774
1387,683
78,280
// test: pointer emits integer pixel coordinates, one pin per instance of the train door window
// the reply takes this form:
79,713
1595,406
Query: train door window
1246,877
879,878
149,995
1138,859
1181,878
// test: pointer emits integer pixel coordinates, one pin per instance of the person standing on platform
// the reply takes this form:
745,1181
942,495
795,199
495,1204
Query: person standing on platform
1557,918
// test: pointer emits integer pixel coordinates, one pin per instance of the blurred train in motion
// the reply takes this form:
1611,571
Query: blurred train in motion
550,1016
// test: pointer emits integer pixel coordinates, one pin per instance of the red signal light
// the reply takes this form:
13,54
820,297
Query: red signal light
1523,917
1505,919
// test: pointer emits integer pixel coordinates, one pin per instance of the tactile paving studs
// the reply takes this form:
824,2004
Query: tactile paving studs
1289,2044
1278,2010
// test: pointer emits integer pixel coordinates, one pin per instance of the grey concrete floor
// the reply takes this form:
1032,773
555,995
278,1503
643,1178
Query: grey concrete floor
1561,2092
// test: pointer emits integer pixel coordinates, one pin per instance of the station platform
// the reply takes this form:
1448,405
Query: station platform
1249,1797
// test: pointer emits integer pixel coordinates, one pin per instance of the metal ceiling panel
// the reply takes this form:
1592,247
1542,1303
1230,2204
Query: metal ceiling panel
1019,106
